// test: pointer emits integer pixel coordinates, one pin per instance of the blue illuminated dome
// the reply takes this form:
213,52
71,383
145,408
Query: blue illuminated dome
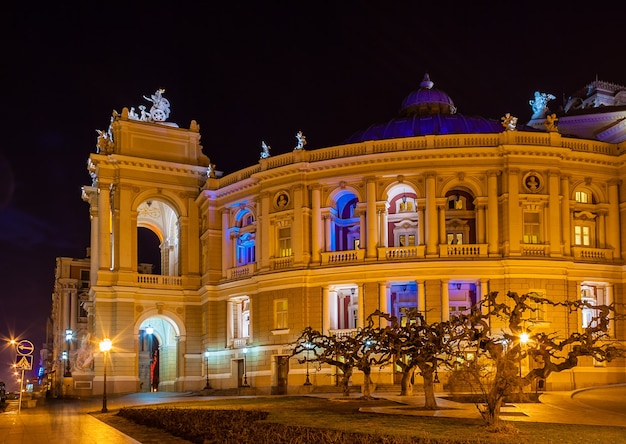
428,111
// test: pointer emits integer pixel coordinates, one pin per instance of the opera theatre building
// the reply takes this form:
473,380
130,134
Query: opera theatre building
431,210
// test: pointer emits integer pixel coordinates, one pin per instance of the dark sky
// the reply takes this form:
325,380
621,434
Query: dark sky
246,74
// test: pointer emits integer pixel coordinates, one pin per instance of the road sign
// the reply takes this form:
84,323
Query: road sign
25,348
24,362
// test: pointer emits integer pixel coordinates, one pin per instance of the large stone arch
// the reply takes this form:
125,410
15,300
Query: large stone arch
158,350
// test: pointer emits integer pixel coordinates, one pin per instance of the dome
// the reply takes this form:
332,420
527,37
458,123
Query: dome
429,111
427,101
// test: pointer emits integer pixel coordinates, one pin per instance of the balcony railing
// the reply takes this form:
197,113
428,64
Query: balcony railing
241,272
401,253
463,250
280,263
157,280
592,254
344,332
342,257
538,250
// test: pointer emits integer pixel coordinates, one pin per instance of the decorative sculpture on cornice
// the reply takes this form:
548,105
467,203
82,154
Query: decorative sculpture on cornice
550,123
540,104
509,122
105,144
301,141
265,150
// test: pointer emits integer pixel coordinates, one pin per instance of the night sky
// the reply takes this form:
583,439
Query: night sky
246,74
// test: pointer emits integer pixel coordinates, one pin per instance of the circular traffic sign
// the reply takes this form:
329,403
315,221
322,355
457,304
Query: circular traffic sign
25,348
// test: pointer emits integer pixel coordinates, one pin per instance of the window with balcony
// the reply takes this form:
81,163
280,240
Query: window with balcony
245,235
238,321
532,228
284,242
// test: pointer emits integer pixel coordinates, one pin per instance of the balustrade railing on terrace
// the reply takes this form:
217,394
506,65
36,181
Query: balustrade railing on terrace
463,250
157,280
280,263
535,250
344,332
592,254
400,253
342,257
239,342
241,272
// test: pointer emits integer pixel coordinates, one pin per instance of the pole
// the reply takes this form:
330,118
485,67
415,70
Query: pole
207,386
307,382
19,406
104,389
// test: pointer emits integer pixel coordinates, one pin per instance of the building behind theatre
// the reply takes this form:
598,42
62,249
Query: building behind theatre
432,210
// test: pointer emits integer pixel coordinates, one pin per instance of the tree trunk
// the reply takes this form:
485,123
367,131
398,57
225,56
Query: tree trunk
367,383
430,402
491,413
406,383
345,380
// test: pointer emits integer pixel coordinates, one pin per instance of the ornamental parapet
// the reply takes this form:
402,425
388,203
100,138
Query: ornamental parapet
463,250
241,272
401,253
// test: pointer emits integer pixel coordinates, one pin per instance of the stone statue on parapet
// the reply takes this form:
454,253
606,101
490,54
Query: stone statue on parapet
550,123
540,104
301,141
265,150
105,144
509,122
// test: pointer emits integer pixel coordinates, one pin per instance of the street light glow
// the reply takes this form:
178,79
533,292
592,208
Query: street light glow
523,338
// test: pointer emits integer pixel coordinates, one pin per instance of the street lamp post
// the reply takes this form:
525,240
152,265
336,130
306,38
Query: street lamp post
105,346
523,340
206,357
245,375
149,331
68,338
308,350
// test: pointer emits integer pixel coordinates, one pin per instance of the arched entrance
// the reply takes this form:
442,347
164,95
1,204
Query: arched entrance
157,353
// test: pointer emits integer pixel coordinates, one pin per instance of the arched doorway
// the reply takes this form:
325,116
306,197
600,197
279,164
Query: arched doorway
157,347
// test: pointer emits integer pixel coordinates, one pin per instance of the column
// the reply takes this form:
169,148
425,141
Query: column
226,253
372,229
554,222
566,229
443,238
383,305
421,296
613,222
445,301
328,235
601,222
297,229
515,214
361,302
326,326
480,224
384,228
484,291
264,232
316,225
492,213
431,216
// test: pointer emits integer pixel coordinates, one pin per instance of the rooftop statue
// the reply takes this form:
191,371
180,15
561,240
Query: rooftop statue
509,122
265,150
301,141
540,104
159,111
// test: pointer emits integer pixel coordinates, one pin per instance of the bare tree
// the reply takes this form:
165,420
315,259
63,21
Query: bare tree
345,352
498,354
417,344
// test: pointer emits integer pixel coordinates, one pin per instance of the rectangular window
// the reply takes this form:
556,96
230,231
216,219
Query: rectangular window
280,310
582,197
582,235
284,242
531,228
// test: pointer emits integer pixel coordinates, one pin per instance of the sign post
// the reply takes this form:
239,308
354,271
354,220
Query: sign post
23,361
